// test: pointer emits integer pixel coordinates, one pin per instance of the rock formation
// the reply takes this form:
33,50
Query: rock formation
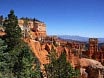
91,68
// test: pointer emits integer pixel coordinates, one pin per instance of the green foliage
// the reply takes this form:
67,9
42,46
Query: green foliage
55,43
18,63
24,63
60,68
1,20
3,60
52,55
18,60
12,30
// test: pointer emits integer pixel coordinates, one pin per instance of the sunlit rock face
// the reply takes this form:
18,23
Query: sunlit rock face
91,68
36,28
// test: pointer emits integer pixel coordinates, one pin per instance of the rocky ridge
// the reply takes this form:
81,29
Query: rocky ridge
87,66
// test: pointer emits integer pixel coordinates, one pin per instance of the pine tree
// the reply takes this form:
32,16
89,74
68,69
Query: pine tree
22,63
26,65
4,71
1,20
52,66
65,68
12,30
59,67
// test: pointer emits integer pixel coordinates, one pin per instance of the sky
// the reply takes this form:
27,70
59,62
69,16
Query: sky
62,17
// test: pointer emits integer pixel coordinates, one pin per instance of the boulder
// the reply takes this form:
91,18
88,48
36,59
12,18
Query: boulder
91,68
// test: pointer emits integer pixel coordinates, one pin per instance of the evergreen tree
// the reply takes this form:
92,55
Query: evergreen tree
26,65
65,68
1,20
21,62
12,30
59,67
4,73
51,68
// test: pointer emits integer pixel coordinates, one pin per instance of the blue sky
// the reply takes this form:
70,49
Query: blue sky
62,17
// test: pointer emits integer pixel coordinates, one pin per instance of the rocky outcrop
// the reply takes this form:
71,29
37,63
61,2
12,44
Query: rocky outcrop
91,68
40,52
